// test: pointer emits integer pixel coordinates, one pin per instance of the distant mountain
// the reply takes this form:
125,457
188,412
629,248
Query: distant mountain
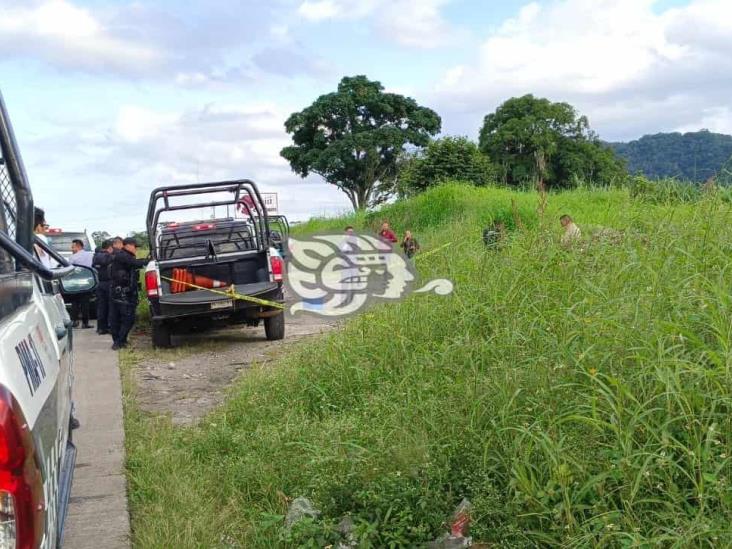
694,156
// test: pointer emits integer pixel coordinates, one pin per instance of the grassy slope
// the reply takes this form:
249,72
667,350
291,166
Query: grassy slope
576,398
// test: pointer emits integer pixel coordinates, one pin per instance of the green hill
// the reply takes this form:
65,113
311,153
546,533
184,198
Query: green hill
694,156
577,398
724,177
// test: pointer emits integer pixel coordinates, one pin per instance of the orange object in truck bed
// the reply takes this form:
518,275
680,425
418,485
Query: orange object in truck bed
183,281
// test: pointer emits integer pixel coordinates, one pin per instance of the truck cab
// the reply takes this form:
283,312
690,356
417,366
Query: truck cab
36,367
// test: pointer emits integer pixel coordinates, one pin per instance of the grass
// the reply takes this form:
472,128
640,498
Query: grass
577,398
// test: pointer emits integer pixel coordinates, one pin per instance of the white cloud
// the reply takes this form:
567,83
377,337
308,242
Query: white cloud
320,10
412,23
116,163
67,35
415,23
617,60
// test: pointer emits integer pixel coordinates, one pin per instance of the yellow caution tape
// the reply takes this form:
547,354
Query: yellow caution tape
230,293
427,254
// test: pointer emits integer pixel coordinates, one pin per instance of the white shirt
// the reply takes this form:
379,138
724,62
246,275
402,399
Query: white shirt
43,257
571,233
82,258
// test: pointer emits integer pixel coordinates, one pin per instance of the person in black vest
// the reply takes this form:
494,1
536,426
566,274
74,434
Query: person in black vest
102,261
124,282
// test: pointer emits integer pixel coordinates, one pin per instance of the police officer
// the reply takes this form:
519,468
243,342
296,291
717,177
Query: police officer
102,261
124,281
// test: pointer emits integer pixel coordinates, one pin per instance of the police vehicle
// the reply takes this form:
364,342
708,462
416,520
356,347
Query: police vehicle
36,358
195,263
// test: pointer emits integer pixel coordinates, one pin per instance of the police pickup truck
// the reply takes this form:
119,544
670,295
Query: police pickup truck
222,271
36,357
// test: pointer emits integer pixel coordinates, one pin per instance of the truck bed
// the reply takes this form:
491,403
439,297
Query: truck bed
204,296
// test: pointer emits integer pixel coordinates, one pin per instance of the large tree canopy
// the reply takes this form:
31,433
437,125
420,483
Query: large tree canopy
449,158
353,137
531,139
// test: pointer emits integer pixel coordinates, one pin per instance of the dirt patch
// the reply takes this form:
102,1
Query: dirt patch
192,378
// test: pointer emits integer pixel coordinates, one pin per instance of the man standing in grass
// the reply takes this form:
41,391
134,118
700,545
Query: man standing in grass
410,245
387,234
572,232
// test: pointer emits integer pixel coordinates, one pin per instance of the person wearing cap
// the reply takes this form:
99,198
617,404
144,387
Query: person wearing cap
102,260
124,281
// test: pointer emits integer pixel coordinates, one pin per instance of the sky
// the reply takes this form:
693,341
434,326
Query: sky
112,98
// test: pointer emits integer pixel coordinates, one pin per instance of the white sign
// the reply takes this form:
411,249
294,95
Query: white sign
270,202
268,199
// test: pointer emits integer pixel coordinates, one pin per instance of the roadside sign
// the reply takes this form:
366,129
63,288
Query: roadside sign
270,203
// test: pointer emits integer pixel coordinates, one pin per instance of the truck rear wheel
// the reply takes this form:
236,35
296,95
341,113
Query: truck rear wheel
274,327
160,335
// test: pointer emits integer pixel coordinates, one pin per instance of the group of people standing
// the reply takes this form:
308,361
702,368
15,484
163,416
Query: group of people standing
118,291
409,243
117,267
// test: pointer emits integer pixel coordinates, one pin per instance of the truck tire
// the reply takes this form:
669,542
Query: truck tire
274,327
160,335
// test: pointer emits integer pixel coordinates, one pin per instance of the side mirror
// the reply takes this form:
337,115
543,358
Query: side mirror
80,281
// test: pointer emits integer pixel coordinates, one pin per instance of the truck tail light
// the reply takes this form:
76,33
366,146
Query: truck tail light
204,227
151,284
277,268
21,484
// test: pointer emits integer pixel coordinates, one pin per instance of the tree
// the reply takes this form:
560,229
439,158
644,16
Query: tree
531,139
455,158
354,136
100,236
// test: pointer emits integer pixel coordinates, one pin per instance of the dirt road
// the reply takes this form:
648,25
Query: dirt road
191,379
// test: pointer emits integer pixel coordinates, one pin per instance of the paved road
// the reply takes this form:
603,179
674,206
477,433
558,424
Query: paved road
98,514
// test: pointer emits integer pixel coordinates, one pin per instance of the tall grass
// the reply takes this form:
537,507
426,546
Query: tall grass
577,397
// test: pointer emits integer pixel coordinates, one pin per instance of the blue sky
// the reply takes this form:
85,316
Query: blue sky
112,98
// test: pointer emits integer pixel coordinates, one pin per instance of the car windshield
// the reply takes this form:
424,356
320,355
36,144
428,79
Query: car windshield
61,242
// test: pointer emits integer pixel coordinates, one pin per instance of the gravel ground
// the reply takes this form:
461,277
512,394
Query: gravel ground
191,379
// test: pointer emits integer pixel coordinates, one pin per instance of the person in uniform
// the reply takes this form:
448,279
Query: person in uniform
124,282
102,261
117,243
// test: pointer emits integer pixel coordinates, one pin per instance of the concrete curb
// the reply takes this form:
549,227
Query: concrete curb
98,514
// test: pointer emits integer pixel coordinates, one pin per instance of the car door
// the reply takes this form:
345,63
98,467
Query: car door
31,371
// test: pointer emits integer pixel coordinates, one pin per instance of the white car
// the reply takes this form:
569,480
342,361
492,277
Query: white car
36,359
